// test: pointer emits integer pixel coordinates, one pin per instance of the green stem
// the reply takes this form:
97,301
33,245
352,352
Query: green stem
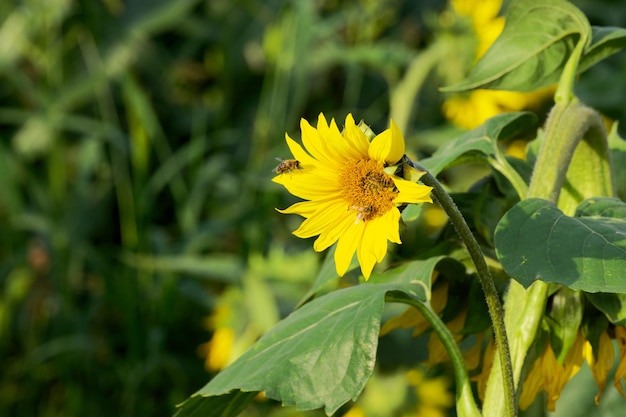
484,275
465,404
565,89
402,100
502,165
568,123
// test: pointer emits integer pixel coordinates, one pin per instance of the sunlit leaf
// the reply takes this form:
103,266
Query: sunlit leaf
538,38
230,404
602,207
537,241
612,305
322,354
605,42
479,143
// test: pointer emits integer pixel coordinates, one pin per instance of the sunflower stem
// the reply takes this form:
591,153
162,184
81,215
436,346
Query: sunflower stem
570,121
484,275
465,404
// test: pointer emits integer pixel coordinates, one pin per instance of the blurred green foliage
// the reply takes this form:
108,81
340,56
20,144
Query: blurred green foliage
137,140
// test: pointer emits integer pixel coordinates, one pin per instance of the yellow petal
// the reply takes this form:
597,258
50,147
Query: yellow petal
375,238
388,146
355,137
314,184
338,145
620,373
331,235
299,153
314,143
411,192
533,384
303,208
602,364
325,217
346,246
392,227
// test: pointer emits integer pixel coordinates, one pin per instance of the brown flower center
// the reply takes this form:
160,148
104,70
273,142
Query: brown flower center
367,188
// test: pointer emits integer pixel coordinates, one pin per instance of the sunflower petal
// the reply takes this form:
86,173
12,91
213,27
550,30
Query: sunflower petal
299,153
346,246
388,146
314,143
355,137
324,218
411,192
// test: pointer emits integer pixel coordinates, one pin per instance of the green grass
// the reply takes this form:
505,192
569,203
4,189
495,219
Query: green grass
137,141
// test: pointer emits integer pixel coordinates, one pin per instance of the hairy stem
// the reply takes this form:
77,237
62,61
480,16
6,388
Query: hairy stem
484,275
569,122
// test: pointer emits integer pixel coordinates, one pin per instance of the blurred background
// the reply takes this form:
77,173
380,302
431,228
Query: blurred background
140,249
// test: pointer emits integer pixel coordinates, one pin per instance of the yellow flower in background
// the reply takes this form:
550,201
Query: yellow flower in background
437,353
486,23
550,375
482,378
620,372
351,199
602,363
470,110
434,397
217,351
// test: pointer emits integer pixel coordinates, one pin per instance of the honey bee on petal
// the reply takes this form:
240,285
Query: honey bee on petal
287,165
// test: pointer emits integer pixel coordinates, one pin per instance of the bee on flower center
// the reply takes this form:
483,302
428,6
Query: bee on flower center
376,181
364,213
287,165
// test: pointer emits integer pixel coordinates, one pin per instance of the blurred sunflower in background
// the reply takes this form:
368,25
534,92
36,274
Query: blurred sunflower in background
469,110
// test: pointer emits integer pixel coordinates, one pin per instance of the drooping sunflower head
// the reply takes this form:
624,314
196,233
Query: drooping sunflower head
349,196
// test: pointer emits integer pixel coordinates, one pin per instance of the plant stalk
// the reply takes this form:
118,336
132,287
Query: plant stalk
569,122
465,404
484,275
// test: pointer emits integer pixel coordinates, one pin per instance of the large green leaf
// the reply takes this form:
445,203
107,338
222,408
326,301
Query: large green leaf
605,42
480,143
319,356
536,42
537,241
230,404
612,305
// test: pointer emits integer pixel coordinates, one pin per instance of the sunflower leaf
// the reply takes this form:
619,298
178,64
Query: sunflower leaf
480,143
612,305
536,42
605,42
319,356
537,241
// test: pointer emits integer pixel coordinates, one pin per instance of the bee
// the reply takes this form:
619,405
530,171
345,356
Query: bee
363,213
287,165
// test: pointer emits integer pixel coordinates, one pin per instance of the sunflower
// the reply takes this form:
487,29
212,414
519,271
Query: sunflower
351,197
469,110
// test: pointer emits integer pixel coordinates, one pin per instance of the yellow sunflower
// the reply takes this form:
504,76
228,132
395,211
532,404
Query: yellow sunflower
351,199
470,110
